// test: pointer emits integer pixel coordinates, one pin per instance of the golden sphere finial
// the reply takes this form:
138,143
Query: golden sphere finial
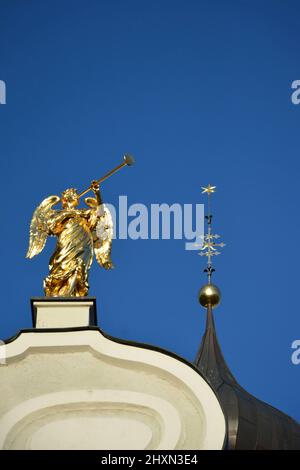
209,296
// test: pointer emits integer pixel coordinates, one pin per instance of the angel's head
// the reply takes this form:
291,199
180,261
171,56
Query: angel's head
69,198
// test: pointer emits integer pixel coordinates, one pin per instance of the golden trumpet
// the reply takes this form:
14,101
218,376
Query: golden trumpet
128,160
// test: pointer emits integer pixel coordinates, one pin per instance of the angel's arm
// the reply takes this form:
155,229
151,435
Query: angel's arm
96,189
96,207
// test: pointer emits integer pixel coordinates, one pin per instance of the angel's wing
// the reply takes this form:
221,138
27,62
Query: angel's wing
103,240
38,227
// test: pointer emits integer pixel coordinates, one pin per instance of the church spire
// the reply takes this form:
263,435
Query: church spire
251,424
209,359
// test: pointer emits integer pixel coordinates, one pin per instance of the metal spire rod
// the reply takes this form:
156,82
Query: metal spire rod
209,245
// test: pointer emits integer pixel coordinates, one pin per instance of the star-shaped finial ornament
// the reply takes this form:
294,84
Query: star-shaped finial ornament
209,189
209,246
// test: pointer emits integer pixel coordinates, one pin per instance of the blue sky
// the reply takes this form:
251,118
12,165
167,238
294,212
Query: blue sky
199,92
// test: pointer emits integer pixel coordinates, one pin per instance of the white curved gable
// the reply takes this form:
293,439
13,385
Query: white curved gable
81,390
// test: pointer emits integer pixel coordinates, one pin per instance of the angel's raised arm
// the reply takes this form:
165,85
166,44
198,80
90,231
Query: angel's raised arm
39,227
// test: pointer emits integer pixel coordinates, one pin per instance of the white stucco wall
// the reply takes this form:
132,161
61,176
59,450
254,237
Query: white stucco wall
81,390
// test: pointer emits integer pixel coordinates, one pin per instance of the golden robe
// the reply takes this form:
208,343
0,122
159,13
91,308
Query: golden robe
73,256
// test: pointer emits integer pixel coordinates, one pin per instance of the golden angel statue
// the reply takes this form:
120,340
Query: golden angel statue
80,233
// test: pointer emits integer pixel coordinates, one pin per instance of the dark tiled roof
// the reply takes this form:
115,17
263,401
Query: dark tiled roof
251,423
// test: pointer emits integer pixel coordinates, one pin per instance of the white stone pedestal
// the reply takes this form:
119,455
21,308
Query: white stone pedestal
63,312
